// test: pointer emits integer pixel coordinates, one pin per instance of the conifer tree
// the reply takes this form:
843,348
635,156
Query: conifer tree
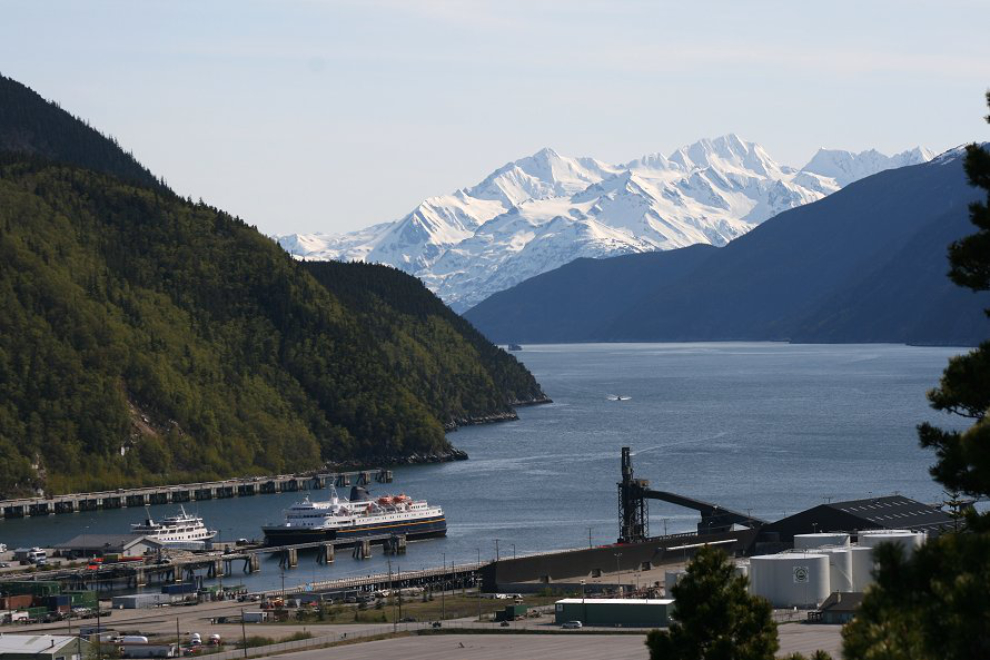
936,604
715,617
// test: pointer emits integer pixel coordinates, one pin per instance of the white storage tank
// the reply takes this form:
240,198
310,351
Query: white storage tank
908,541
839,568
861,562
790,579
820,540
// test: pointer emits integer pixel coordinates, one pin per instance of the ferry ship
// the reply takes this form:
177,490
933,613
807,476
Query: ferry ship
181,530
357,516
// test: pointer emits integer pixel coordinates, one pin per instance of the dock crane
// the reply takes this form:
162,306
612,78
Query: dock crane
634,517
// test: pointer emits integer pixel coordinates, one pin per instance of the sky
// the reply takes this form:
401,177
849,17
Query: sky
332,115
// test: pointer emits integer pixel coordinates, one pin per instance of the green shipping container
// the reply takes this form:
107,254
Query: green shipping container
82,598
36,612
511,612
35,588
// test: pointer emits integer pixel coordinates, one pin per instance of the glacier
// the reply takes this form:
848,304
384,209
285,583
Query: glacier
542,211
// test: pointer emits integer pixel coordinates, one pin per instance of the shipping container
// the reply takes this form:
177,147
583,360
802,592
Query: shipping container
179,589
140,601
512,612
83,598
33,587
36,612
18,602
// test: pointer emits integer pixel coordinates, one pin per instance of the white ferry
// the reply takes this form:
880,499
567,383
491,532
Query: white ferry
181,529
358,516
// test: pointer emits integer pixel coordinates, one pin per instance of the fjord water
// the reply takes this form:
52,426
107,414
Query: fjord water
766,428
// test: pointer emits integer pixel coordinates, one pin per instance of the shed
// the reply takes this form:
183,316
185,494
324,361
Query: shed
97,545
888,512
619,612
255,617
839,608
512,612
42,647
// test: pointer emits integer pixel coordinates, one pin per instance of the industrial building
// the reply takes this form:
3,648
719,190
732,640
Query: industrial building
97,545
42,647
893,512
618,612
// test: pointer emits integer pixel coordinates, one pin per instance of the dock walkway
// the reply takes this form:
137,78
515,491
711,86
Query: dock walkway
180,493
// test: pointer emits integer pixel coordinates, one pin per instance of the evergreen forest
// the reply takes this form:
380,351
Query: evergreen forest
149,339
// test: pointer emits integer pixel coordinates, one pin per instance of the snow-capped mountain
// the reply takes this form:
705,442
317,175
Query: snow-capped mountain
543,211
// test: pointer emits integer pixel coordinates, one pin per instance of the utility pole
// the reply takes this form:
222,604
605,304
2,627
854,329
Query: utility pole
496,550
99,625
178,639
589,538
584,607
443,589
477,584
391,592
243,635
618,571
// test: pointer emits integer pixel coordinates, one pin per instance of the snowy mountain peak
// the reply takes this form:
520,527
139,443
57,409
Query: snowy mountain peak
544,210
846,166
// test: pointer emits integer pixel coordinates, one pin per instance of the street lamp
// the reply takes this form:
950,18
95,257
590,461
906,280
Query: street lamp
477,584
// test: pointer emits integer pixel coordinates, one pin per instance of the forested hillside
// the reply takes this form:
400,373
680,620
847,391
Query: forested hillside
146,339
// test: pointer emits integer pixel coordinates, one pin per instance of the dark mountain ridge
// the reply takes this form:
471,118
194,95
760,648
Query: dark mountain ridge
33,126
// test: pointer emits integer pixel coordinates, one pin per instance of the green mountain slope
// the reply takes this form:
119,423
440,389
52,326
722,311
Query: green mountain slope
147,339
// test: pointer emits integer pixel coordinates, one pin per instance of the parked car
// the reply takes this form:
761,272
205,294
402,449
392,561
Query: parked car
572,625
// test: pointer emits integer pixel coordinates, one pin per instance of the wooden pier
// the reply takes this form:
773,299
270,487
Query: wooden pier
177,494
188,566
185,566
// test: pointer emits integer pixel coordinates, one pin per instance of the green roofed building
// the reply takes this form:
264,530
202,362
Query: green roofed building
617,612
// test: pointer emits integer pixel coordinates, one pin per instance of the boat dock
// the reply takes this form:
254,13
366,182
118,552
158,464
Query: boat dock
187,566
196,492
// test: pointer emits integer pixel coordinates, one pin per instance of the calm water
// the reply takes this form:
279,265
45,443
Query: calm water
771,428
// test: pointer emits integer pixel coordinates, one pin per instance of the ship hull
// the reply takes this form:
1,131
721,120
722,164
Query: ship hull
412,529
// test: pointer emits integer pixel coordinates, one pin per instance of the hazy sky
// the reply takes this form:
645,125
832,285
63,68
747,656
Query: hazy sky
326,115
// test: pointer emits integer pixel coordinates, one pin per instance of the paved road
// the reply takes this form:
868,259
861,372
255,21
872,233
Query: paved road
804,638
573,646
